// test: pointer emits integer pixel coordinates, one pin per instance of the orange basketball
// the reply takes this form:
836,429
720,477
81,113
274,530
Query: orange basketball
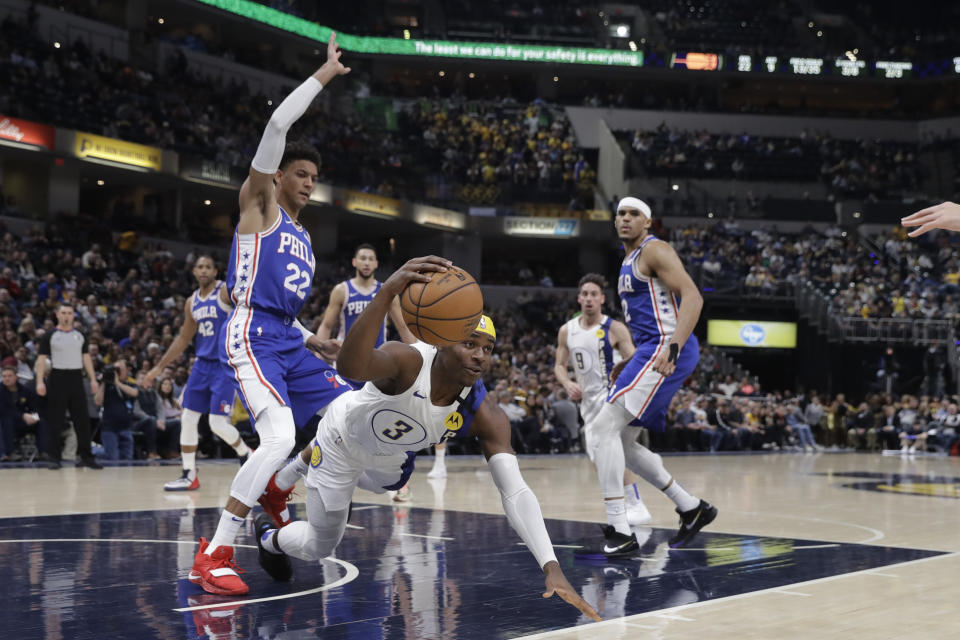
445,310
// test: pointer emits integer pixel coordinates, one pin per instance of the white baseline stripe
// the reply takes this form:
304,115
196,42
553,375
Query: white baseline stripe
354,526
369,506
791,593
659,614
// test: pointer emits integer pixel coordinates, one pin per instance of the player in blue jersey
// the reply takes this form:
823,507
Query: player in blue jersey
210,388
269,278
416,395
349,298
661,306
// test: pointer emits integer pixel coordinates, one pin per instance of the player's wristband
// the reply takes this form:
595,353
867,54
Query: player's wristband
306,333
674,353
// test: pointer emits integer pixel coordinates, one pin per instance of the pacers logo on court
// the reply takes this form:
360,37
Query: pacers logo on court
931,489
316,456
453,421
928,486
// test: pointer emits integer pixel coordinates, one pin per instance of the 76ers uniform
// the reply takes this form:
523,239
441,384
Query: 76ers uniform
592,359
210,388
369,431
650,311
269,278
353,306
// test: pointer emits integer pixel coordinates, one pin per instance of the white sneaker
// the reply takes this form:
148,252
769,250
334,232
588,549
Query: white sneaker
638,514
403,495
912,450
438,471
184,482
903,450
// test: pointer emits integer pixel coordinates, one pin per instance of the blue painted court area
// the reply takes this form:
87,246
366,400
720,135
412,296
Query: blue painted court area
408,572
930,485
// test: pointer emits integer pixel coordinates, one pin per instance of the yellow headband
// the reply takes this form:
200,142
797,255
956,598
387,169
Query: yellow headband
486,326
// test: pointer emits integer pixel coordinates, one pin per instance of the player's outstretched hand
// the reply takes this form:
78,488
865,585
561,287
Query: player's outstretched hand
557,583
945,215
415,270
151,376
333,56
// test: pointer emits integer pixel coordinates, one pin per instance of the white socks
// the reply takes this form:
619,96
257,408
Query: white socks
617,515
288,475
680,497
190,463
439,460
227,531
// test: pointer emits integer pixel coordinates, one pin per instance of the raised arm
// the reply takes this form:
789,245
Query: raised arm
359,359
492,429
560,366
665,263
331,315
187,331
258,200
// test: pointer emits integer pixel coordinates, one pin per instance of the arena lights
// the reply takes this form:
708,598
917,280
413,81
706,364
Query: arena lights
430,48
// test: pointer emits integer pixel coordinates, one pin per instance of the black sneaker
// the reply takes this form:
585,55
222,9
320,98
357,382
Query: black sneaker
692,521
89,462
618,544
277,565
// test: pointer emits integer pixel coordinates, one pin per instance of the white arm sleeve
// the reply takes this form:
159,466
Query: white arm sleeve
270,151
306,333
521,507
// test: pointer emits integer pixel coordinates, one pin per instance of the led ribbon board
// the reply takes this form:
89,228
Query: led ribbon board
429,48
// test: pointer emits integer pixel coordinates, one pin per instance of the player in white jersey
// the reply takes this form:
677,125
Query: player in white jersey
591,343
415,396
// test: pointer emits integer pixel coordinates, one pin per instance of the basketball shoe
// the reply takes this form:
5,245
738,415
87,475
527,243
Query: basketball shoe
274,502
618,544
218,572
185,482
637,512
692,521
402,495
215,623
276,563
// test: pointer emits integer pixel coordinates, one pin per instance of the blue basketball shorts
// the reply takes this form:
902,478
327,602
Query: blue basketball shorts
210,388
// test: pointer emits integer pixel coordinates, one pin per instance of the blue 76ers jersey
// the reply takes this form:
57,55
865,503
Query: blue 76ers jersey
649,307
210,314
353,306
272,270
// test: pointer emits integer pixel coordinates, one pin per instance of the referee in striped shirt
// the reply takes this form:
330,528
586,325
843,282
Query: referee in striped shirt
66,348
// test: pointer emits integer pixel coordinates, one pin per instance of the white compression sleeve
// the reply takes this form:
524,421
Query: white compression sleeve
306,333
270,151
521,506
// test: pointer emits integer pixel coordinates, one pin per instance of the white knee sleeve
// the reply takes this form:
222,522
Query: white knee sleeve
318,536
643,462
189,436
277,437
607,448
220,425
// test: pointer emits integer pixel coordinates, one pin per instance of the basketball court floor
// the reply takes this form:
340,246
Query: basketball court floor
806,545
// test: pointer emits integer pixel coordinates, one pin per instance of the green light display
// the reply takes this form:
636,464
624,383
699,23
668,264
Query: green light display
429,48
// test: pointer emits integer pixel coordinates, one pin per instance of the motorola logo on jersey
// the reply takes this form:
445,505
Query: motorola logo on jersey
393,427
752,334
316,456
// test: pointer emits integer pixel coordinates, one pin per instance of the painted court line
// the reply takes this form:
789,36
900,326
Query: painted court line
354,526
595,627
791,593
885,575
417,535
558,546
368,507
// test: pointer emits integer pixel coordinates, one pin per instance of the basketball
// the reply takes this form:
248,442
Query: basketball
445,310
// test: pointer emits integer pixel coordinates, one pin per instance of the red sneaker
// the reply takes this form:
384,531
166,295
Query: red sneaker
219,572
215,623
274,502
194,576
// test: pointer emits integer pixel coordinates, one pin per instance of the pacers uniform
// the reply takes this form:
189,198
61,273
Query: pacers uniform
650,311
592,359
353,306
367,431
269,278
210,387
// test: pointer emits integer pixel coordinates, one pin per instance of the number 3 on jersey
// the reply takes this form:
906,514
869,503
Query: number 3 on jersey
290,282
401,428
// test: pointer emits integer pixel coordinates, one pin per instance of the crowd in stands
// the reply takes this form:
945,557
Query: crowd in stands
850,168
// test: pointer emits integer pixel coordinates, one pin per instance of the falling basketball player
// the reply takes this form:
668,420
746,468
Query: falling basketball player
589,343
661,305
420,395
945,215
269,279
210,388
